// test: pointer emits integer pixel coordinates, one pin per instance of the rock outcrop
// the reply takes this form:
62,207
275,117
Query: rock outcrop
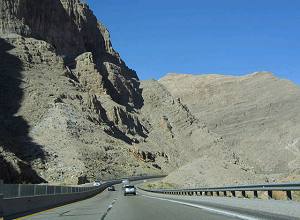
72,29
64,90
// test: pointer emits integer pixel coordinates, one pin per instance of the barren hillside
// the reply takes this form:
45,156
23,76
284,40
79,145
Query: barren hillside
70,107
256,115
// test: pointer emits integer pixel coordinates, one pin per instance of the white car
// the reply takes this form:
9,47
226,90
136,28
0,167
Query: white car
125,182
97,183
129,189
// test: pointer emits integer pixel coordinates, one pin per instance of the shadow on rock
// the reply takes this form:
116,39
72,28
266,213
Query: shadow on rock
14,129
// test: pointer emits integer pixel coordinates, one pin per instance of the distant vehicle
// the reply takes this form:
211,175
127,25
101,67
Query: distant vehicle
111,188
125,182
129,189
97,183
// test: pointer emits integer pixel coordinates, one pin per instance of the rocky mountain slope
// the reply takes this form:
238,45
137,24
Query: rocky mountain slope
71,108
257,116
68,102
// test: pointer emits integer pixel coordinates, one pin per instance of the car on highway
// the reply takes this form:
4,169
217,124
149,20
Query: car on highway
125,182
111,188
97,183
129,190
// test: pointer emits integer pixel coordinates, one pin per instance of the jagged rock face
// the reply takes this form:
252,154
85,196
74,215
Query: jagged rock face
87,74
72,29
57,123
66,95
68,24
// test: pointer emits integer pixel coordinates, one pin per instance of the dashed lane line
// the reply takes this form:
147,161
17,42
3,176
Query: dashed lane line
108,209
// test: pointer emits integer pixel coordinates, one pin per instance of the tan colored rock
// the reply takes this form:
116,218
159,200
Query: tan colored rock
257,116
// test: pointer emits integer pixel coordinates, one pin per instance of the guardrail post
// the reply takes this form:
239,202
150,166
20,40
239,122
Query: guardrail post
255,194
244,194
289,195
270,194
1,207
218,193
233,193
225,193
19,190
34,190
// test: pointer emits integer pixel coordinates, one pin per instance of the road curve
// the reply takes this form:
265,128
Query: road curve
116,206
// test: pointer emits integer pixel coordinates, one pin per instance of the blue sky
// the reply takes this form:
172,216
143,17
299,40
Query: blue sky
232,37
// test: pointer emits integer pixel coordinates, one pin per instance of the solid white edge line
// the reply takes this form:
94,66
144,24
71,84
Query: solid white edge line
218,211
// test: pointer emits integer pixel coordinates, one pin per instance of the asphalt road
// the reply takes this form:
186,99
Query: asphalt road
116,206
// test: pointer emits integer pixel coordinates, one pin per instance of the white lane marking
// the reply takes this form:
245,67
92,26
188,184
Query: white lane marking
108,209
214,210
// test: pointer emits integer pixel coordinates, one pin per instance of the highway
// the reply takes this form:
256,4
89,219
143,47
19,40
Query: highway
113,205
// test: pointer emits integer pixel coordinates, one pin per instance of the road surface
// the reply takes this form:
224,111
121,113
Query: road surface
116,206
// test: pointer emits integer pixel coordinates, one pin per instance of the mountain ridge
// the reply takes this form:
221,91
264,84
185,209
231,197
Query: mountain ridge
72,109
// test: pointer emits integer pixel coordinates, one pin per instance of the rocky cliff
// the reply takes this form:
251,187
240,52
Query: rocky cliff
64,90
70,108
72,29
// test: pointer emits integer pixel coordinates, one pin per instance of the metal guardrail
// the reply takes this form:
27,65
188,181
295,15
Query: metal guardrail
288,188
